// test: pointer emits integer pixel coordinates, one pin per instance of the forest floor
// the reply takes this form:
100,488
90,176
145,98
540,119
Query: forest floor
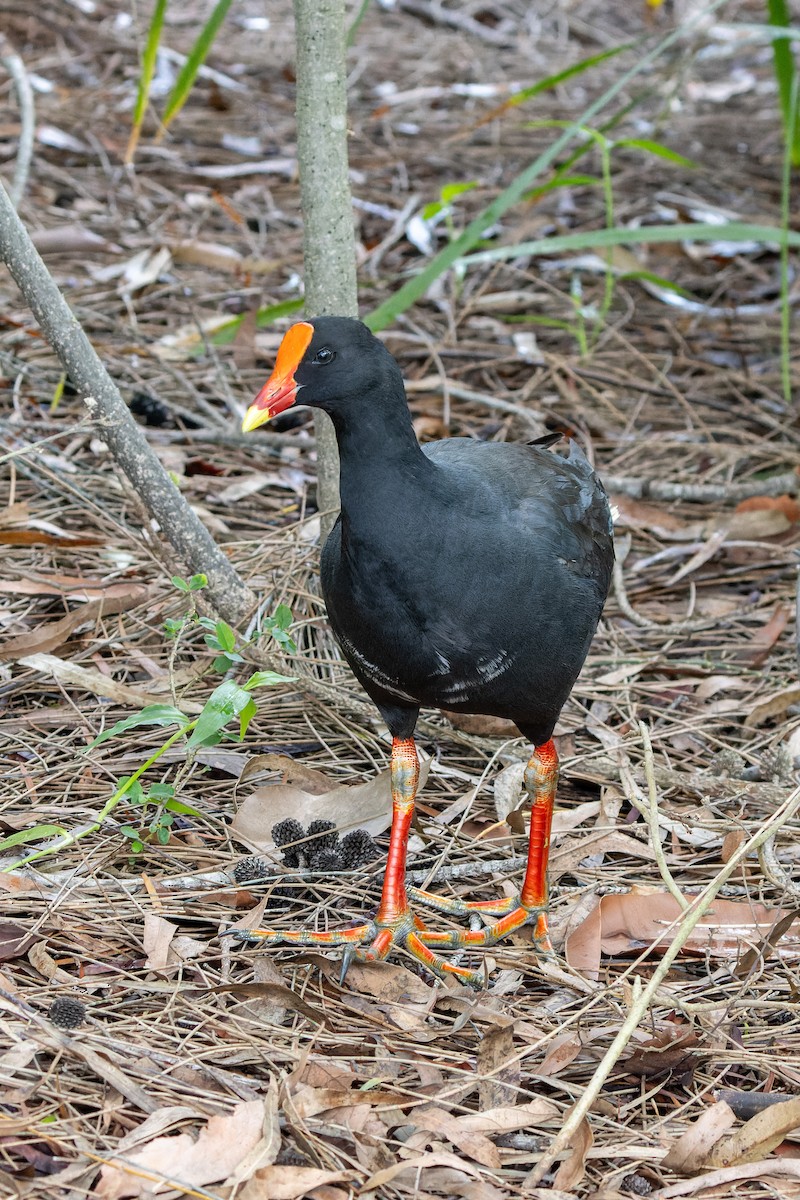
208,1067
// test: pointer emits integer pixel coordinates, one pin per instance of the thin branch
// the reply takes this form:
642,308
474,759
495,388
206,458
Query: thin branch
22,86
702,493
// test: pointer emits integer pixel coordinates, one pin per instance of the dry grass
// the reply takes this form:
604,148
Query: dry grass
178,1016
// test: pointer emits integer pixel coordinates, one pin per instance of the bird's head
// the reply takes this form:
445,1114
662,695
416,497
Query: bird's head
323,363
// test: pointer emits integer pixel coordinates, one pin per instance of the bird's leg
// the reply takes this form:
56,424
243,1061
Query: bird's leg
530,905
395,923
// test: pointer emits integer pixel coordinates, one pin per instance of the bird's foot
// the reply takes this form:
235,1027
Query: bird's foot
373,942
512,914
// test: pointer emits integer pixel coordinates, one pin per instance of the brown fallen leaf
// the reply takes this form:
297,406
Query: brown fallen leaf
71,587
691,1150
221,1145
51,634
497,1069
573,1168
785,504
469,1141
670,1052
289,1183
15,940
363,805
563,1051
765,638
770,1171
773,706
655,518
420,1162
627,923
758,1137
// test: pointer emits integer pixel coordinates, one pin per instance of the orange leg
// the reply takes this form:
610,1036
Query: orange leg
530,906
395,923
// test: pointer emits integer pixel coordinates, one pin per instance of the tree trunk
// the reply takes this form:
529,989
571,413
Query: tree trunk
328,241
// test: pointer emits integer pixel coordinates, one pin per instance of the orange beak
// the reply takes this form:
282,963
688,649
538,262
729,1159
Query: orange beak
280,390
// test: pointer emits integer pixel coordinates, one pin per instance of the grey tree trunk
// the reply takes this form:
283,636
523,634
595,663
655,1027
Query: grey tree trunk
115,425
328,241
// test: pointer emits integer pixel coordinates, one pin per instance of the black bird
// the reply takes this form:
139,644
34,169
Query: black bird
462,575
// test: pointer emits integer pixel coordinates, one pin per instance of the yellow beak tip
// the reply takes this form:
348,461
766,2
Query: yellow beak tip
254,417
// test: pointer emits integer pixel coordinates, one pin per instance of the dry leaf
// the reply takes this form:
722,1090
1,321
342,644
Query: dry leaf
563,1050
759,1136
765,638
418,1163
51,634
621,924
497,1068
364,806
156,940
573,1168
289,1183
472,1143
693,1147
96,683
222,1144
785,504
774,706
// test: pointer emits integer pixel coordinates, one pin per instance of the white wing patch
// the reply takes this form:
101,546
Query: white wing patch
374,672
488,670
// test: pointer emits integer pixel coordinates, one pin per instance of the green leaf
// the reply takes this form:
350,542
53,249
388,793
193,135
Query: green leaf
657,150
224,703
180,584
222,663
196,58
431,210
35,834
267,679
451,190
173,626
197,582
146,76
161,791
225,636
153,714
128,831
246,716
283,616
578,68
134,792
731,231
162,835
182,808
137,847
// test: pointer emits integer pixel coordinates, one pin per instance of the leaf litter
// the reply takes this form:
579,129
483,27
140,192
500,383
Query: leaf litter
204,1065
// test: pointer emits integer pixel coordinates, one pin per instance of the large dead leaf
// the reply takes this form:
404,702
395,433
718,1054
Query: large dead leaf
759,1136
623,924
222,1144
573,1168
692,1149
50,634
364,806
290,1183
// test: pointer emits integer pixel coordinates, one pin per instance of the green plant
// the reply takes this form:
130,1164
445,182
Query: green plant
229,702
786,77
186,76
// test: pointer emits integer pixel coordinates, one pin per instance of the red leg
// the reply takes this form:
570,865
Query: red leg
395,923
530,907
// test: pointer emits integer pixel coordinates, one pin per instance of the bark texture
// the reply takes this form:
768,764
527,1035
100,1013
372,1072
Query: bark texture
115,425
328,240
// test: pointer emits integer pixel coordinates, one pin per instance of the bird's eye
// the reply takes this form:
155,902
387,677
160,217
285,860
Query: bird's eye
324,356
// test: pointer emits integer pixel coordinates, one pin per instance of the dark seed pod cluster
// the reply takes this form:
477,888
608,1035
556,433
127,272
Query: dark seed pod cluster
66,1012
319,847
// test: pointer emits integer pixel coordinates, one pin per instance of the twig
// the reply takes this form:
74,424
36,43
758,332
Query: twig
657,489
22,86
768,861
435,383
643,997
652,819
192,541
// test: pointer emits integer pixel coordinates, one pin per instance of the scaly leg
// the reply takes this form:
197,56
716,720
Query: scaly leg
395,923
530,906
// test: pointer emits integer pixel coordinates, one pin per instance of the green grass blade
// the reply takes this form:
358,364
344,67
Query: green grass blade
455,250
552,81
197,56
593,239
786,196
785,73
146,76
